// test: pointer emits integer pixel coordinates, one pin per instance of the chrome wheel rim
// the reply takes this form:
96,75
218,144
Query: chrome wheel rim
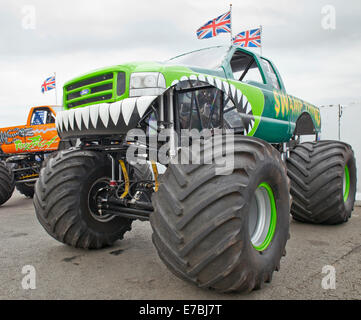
262,217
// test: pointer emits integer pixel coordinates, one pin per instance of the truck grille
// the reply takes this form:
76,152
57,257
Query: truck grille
95,86
90,100
104,87
89,81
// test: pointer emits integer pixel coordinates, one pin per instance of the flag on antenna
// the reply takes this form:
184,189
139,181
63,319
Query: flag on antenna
212,28
248,39
48,84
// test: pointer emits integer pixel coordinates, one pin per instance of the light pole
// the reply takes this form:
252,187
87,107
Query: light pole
340,111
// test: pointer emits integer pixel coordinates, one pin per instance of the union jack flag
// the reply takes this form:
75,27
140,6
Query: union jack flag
212,28
48,84
249,38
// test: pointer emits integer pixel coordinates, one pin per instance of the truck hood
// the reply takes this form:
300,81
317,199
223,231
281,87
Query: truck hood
165,68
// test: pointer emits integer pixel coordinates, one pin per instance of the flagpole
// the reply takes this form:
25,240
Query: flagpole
261,38
231,24
56,88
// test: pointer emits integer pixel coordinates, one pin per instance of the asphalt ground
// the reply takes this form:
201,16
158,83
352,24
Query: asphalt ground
131,269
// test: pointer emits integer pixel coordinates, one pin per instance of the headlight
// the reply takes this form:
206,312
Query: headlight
135,82
150,81
146,83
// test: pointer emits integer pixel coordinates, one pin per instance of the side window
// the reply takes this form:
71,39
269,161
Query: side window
271,73
245,68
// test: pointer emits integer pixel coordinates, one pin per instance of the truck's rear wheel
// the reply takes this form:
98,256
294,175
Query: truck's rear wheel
323,182
226,232
64,200
7,183
27,189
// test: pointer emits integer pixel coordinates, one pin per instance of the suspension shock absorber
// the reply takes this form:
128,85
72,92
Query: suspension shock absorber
172,142
126,179
113,182
155,172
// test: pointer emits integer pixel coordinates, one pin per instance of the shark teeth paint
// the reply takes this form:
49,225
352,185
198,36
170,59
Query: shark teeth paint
110,116
85,115
114,111
106,115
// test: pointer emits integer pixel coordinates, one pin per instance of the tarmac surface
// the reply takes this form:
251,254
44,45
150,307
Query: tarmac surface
131,269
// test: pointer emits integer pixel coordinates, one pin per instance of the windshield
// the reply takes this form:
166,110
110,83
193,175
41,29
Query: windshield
210,58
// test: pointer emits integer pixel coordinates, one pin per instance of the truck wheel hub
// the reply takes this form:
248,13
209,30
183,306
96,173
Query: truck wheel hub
97,191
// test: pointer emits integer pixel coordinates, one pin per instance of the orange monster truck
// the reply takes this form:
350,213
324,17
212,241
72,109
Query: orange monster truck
23,150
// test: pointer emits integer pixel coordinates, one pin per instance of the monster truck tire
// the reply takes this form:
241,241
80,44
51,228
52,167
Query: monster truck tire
323,182
63,145
204,224
7,183
26,189
62,203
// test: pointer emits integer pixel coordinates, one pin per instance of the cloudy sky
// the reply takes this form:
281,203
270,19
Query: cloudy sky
71,37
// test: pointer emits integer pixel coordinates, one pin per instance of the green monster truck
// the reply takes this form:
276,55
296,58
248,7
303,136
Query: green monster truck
226,230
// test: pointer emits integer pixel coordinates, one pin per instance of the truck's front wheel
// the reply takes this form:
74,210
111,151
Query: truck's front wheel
64,200
226,232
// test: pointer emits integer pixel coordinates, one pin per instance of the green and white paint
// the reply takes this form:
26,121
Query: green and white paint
273,112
